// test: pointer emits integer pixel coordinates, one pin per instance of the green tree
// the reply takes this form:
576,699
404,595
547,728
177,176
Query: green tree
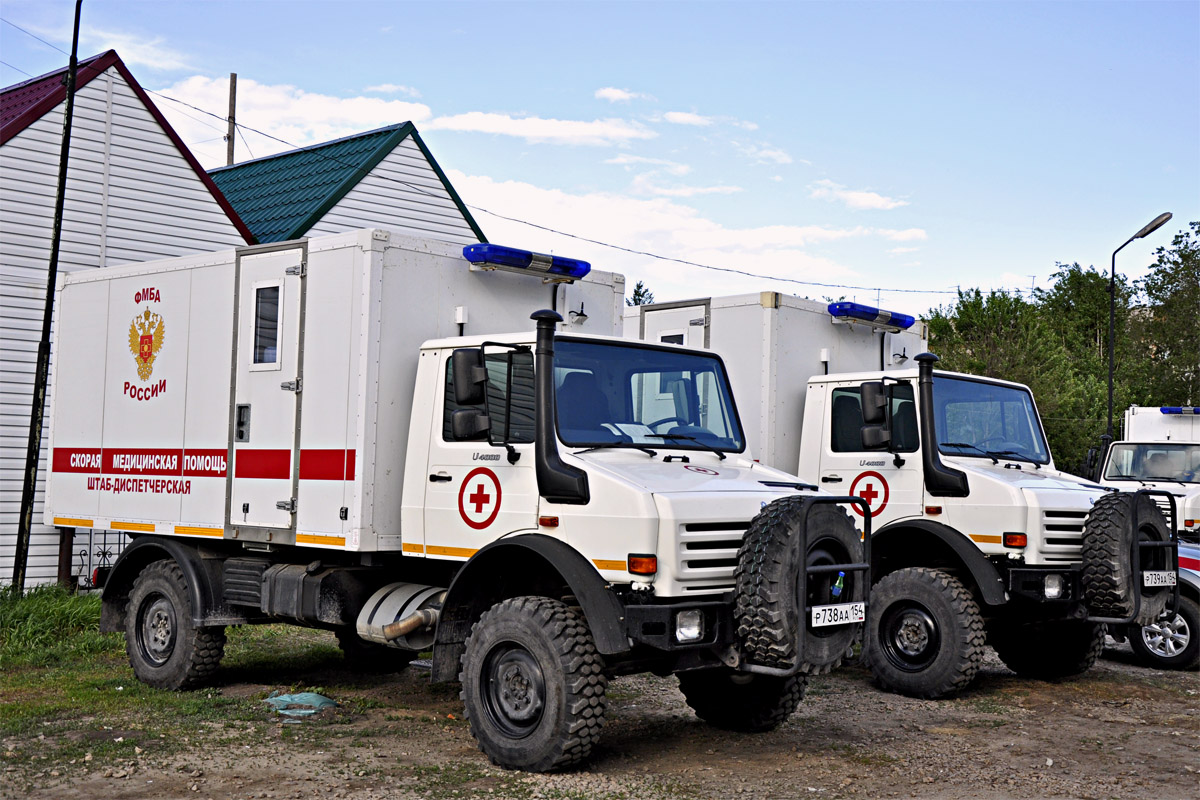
1170,323
642,296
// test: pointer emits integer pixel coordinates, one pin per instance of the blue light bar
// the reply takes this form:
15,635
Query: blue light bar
510,258
876,316
1179,410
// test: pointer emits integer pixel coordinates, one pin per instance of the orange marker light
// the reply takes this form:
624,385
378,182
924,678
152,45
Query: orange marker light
932,510
1015,540
642,564
548,522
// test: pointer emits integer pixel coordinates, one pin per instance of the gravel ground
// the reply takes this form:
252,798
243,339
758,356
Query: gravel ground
1119,731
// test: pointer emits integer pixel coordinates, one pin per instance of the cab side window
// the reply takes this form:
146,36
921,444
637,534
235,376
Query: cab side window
847,420
522,413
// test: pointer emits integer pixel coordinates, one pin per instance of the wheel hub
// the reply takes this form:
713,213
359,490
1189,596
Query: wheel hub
158,629
910,638
515,693
1166,638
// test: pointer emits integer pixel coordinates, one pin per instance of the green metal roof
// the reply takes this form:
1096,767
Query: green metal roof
280,197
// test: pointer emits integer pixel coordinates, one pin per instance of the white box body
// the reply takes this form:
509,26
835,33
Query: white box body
153,361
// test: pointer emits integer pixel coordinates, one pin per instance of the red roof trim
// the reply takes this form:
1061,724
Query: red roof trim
87,71
186,153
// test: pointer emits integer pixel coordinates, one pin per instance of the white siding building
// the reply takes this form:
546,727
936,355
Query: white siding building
134,193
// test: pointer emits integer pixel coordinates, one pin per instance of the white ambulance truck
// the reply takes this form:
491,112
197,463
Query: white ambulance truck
1160,449
364,433
976,536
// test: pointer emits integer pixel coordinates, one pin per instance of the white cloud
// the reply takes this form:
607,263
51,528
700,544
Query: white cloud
286,112
856,199
688,118
537,129
906,235
765,155
672,167
660,225
393,88
615,95
645,184
136,50
901,250
777,178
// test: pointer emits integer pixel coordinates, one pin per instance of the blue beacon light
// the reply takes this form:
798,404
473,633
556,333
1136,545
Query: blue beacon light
1179,409
511,259
870,314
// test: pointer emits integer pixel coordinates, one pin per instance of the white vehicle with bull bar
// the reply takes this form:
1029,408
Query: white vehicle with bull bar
977,538
295,433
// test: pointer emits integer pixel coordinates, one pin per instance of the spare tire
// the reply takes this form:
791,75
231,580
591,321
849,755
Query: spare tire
771,622
1110,588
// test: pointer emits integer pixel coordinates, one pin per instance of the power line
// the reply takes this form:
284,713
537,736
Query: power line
18,69
35,36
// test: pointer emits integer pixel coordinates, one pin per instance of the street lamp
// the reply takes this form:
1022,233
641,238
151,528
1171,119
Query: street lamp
1150,228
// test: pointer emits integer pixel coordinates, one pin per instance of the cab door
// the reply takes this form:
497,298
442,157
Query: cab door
475,494
893,491
267,380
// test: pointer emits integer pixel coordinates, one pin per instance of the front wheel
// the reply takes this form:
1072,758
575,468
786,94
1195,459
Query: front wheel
1047,650
533,685
925,633
741,701
1170,643
165,647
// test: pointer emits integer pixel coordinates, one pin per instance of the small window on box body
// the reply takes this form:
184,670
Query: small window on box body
266,325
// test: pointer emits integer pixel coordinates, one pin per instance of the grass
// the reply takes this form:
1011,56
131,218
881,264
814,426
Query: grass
49,625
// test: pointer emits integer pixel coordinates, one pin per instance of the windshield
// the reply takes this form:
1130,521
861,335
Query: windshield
1154,461
614,395
986,420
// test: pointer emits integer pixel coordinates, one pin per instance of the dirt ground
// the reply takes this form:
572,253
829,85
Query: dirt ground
1121,731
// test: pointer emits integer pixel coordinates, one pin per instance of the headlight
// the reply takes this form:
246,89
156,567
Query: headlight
1053,587
689,625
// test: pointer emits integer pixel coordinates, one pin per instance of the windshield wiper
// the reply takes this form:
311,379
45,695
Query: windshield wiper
611,445
1164,478
987,453
1013,454
686,438
1121,477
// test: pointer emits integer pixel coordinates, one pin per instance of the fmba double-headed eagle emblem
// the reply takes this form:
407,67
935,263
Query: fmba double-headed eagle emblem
146,334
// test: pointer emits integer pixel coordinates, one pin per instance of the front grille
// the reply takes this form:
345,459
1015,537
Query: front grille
1062,535
708,554
1164,505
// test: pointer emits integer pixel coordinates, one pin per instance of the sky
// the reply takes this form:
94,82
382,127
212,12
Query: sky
889,153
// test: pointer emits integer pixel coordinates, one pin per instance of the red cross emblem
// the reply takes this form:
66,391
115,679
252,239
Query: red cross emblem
872,487
479,498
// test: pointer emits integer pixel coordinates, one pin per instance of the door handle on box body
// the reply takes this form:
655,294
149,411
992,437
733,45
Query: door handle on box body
440,477
830,479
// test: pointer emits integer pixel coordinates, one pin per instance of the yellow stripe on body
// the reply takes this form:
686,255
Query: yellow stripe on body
986,539
71,522
191,530
333,541
143,527
407,547
618,566
458,552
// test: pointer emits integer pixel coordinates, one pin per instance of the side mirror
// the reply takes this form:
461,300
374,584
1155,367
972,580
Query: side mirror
470,378
1091,469
469,423
874,402
876,437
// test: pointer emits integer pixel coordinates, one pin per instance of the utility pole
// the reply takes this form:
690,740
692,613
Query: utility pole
230,131
41,371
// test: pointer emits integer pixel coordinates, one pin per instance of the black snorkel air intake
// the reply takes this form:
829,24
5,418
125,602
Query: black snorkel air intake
940,480
557,481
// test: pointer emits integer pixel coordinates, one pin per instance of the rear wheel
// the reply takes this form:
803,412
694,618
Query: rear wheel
925,633
1170,643
1110,588
165,647
1047,650
533,685
741,701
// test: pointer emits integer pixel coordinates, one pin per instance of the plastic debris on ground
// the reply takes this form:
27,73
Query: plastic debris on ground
301,704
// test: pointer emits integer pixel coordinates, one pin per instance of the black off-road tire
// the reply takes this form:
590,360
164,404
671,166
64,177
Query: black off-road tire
1109,585
769,613
742,701
363,656
1049,650
925,634
533,685
165,648
1169,642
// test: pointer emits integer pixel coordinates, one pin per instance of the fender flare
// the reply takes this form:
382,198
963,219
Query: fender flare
986,576
510,558
142,551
